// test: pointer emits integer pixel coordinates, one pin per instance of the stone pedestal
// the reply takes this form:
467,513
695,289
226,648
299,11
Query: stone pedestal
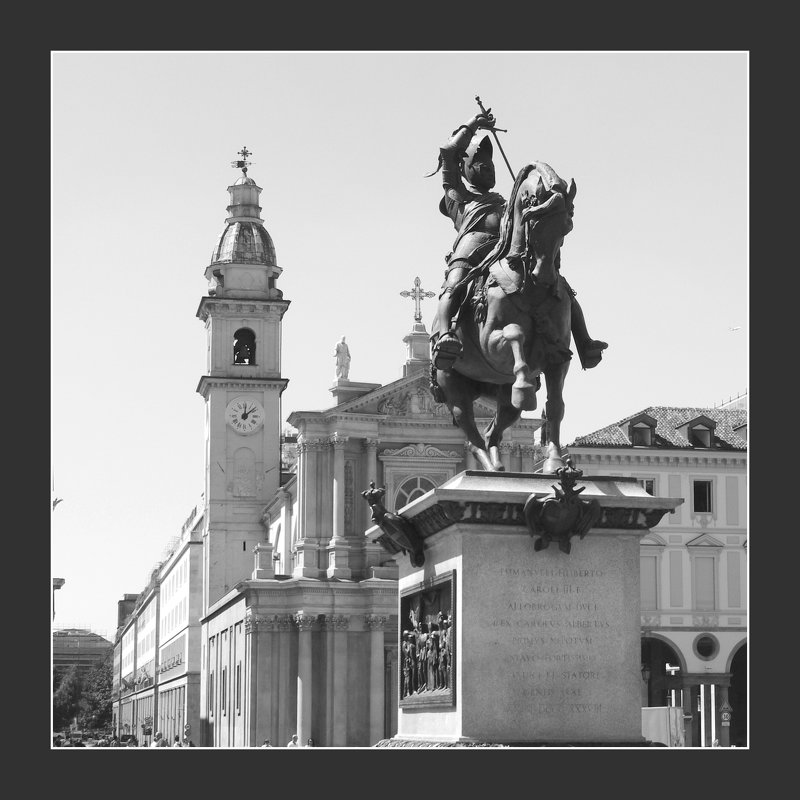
545,645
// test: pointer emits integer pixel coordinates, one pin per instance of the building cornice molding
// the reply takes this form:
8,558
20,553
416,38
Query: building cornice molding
233,307
679,458
209,382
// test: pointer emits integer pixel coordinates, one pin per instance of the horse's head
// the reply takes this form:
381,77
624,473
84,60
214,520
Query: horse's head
541,207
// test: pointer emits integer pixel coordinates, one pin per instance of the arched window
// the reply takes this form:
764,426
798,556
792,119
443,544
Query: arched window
412,489
244,347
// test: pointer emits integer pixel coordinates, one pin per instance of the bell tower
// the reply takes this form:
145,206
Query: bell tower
242,389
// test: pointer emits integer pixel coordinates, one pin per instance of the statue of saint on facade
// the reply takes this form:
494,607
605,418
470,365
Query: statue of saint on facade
342,354
506,315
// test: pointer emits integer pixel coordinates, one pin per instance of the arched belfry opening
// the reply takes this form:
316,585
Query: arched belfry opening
244,347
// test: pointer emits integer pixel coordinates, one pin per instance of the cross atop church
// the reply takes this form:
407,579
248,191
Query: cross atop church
243,164
418,294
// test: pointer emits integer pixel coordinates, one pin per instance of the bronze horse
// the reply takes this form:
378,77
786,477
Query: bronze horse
515,322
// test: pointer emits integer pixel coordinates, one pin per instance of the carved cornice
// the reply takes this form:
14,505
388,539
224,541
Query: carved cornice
335,622
283,622
705,620
654,458
630,519
305,622
238,384
375,622
231,307
421,451
306,444
446,512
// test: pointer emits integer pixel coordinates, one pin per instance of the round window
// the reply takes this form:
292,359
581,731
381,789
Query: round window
706,647
412,489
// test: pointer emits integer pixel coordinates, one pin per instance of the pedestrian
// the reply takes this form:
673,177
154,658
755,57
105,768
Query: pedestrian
293,741
177,741
309,742
187,742
159,740
267,743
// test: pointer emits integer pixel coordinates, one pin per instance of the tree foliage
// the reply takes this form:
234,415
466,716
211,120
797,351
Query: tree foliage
95,701
88,698
66,699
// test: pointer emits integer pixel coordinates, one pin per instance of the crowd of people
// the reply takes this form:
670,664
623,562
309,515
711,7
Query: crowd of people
159,740
293,742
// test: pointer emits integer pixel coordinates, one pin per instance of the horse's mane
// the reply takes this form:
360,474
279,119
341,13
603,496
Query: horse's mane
551,181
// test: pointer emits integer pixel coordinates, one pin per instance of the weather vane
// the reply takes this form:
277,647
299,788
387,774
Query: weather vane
418,294
243,164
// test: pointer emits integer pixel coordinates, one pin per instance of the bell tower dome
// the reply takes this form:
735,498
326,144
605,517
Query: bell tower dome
243,262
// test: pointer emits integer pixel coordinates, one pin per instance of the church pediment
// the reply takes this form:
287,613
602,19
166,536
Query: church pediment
407,397
705,540
654,540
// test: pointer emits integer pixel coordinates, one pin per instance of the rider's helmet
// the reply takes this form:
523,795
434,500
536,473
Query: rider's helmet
477,166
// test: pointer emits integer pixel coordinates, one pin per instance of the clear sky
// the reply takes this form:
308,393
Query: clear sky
142,144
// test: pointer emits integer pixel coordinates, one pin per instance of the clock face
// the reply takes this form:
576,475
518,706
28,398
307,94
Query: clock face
244,415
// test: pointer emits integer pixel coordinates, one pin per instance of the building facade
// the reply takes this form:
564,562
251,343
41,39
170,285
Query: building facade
275,615
693,563
79,648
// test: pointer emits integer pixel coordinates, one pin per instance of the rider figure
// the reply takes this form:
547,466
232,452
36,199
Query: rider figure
468,177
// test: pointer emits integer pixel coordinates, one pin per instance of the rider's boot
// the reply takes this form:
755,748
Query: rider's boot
590,352
446,350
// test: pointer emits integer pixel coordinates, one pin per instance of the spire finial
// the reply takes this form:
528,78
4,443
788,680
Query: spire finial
418,294
242,164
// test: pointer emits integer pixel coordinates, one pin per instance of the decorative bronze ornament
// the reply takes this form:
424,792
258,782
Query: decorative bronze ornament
399,534
562,515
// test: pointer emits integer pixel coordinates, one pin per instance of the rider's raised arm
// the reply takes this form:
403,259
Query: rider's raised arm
452,154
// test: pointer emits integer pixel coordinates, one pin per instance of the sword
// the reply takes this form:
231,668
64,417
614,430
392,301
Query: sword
499,146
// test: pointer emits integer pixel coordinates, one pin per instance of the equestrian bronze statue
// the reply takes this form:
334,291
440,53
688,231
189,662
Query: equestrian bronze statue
506,314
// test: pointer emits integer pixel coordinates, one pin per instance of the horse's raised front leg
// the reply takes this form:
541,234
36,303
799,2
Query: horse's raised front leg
505,416
554,412
523,391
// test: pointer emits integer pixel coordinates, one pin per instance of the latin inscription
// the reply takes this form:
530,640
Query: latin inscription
551,630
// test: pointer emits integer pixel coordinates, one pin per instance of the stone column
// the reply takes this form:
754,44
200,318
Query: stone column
307,545
286,527
337,566
376,623
340,625
338,444
283,687
516,458
506,449
305,623
258,635
527,453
